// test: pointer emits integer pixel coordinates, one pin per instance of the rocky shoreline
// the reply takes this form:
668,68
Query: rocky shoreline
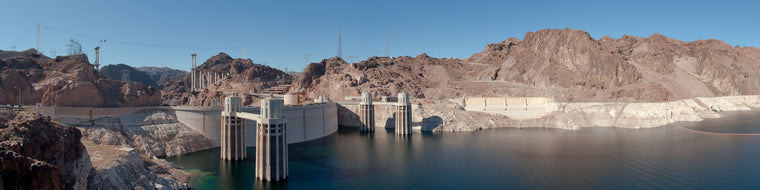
441,115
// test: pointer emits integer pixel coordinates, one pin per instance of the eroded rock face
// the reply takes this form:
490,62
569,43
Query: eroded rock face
567,65
38,153
67,81
123,149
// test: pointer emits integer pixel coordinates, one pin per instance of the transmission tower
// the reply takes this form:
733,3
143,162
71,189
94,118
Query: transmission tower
74,48
13,47
306,58
124,75
387,49
38,37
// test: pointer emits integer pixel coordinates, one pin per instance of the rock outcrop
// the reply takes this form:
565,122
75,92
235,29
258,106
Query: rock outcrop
67,81
37,153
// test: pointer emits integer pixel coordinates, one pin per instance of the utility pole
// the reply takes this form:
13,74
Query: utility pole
38,37
339,50
306,58
19,96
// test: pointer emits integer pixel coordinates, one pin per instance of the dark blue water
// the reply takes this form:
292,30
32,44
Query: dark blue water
671,157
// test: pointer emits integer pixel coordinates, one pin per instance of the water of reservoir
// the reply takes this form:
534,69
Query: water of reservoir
713,154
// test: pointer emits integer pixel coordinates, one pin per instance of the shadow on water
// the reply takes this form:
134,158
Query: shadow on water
429,124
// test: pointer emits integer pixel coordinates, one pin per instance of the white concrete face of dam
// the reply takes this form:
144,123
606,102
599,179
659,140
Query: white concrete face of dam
305,122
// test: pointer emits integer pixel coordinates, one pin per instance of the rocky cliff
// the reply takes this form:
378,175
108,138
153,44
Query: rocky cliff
37,153
66,81
564,64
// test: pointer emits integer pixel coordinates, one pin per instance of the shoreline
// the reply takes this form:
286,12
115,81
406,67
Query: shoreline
572,116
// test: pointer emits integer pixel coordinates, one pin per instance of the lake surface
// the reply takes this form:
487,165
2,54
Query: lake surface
713,154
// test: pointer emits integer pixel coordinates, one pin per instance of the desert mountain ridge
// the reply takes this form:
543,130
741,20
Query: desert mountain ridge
565,64
66,81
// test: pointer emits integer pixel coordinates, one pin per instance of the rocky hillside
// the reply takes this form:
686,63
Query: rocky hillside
67,81
245,76
117,72
38,153
568,65
162,75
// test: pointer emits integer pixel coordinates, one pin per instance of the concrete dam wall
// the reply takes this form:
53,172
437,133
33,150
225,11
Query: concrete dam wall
304,122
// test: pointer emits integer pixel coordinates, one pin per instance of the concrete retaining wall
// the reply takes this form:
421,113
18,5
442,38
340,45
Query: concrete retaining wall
501,101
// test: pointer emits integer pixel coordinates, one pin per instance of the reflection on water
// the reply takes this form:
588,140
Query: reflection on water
666,157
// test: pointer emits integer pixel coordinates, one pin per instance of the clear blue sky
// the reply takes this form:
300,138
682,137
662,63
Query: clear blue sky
165,33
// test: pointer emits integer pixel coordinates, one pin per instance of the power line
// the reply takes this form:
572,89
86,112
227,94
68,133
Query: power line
142,44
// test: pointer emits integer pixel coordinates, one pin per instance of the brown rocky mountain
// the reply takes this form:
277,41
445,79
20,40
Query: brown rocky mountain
67,81
568,65
117,72
245,76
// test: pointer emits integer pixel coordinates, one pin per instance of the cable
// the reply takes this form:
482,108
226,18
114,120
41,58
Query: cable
141,44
